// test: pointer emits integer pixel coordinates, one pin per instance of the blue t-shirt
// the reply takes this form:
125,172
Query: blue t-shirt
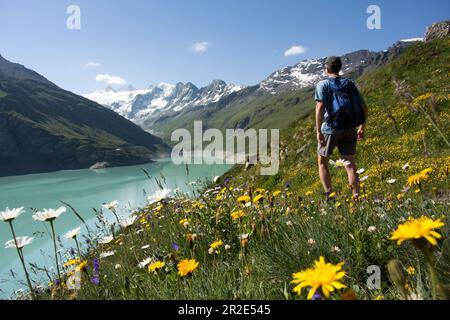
325,94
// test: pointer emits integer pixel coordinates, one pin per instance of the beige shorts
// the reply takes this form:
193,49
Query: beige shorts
345,141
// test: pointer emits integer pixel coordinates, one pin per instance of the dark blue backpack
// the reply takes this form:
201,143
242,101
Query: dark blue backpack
346,109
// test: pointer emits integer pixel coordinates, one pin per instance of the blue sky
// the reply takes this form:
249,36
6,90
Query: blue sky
148,42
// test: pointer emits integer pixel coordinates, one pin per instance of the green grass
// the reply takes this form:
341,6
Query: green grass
288,232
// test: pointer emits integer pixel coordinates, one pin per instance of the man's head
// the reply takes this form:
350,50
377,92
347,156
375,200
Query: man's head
333,65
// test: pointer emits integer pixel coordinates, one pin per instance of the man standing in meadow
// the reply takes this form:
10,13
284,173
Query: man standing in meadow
340,110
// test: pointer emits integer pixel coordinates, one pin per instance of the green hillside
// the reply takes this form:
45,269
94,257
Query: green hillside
44,128
248,237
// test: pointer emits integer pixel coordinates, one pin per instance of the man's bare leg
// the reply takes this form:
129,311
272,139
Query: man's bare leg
353,179
324,174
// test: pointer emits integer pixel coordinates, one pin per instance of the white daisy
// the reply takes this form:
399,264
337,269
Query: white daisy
405,166
106,240
112,205
361,171
125,223
391,181
72,233
145,262
11,214
106,254
364,178
21,242
49,214
159,195
340,163
372,229
216,179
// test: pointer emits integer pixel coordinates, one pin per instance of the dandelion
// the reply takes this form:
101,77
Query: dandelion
421,232
276,193
411,270
213,248
309,193
81,266
415,229
159,196
244,199
341,163
155,266
323,275
235,215
186,267
71,262
417,178
258,198
260,191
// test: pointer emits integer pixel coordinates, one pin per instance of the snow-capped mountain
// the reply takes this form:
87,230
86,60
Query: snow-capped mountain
165,98
309,72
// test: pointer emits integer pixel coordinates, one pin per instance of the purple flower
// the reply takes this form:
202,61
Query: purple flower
175,247
287,185
95,280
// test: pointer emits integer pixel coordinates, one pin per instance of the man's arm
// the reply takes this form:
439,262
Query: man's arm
319,119
362,128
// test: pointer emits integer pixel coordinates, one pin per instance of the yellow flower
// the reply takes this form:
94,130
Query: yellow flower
81,266
415,229
184,221
423,97
276,193
323,275
71,262
309,193
235,215
216,244
379,297
186,267
197,205
332,195
411,271
417,178
244,199
155,266
258,198
260,191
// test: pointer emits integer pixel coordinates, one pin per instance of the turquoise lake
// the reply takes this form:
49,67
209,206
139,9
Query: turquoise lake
84,190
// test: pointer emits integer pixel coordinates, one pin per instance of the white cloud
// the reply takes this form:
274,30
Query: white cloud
92,65
294,51
200,47
111,80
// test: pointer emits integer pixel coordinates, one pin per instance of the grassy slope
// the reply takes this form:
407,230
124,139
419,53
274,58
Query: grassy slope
280,228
